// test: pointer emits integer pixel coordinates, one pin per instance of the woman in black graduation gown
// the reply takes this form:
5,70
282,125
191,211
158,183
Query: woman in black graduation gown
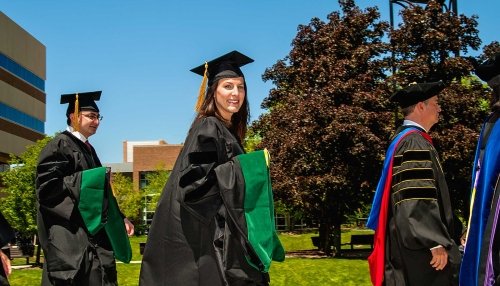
194,239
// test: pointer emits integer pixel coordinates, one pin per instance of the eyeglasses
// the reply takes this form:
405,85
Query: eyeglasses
93,117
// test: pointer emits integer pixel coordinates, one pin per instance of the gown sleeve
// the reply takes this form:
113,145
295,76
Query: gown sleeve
57,184
205,148
248,198
415,196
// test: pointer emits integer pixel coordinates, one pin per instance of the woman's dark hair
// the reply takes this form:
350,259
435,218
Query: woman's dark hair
239,120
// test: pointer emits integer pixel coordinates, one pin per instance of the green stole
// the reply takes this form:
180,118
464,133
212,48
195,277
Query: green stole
259,208
93,191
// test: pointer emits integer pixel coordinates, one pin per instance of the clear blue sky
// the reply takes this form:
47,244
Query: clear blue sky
139,54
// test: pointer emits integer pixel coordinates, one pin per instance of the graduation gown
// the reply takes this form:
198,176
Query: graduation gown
419,215
71,253
200,234
481,262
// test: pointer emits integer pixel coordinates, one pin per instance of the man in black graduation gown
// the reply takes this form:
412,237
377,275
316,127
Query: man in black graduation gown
76,252
419,244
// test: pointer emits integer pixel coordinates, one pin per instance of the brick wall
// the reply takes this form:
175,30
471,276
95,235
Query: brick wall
151,158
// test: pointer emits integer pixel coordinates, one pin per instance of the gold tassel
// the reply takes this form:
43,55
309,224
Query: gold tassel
203,90
76,115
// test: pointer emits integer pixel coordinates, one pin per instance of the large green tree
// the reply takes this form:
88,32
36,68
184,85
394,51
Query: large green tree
156,180
19,203
128,199
327,124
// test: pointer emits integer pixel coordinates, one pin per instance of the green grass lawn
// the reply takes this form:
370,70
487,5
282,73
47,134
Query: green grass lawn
294,271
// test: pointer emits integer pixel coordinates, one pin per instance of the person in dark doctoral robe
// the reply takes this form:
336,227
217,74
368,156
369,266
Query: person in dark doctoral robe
411,213
214,222
6,236
80,227
481,262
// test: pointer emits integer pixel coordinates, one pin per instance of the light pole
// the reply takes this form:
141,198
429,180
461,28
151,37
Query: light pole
450,7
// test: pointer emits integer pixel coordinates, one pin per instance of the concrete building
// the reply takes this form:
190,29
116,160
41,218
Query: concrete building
22,89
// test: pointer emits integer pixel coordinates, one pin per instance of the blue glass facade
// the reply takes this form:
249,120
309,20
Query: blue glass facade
21,118
21,72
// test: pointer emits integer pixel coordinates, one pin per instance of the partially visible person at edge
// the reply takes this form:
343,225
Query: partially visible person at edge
214,223
415,240
481,262
80,227
6,236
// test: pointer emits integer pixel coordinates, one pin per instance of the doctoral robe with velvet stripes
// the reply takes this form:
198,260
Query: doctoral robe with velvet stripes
201,233
420,216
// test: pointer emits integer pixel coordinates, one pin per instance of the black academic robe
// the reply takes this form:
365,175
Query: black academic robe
71,254
420,217
192,240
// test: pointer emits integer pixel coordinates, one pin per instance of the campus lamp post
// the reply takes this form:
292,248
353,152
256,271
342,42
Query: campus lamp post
451,6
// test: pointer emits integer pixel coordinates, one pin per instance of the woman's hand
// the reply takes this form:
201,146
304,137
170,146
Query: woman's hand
129,227
5,263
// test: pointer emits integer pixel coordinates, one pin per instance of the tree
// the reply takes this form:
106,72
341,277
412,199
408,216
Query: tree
252,140
427,47
329,121
326,128
156,182
19,204
128,199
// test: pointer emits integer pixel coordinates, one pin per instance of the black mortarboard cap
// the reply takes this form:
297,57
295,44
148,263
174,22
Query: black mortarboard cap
489,68
86,101
417,92
226,66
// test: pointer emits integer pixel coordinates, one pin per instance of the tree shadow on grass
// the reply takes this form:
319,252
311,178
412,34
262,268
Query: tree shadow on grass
315,253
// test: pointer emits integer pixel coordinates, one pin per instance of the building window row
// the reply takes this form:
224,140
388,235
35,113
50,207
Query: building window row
20,71
21,118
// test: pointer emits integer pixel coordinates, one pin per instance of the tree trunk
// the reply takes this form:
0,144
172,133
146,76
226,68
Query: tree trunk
38,252
329,232
337,223
325,237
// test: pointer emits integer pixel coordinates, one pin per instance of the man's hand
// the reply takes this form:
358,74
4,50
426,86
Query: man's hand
439,258
6,263
129,227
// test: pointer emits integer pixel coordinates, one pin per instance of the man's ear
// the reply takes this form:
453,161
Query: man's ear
420,105
73,118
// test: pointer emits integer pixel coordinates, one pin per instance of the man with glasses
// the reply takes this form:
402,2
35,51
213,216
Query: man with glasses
80,226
